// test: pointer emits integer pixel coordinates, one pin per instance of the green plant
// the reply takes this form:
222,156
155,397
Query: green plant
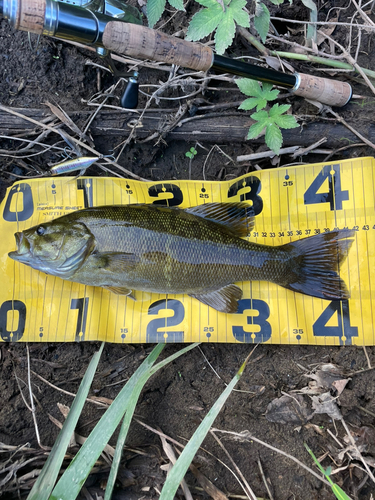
221,17
338,492
262,17
191,153
122,408
273,119
155,9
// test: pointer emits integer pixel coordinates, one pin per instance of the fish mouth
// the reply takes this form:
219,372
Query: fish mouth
23,247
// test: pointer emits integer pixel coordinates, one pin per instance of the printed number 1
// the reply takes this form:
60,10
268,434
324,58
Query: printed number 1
335,195
82,306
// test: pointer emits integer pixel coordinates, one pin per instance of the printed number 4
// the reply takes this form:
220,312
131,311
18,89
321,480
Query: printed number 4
344,331
335,195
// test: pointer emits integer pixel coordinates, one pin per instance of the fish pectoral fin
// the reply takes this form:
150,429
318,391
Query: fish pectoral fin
224,300
117,262
120,290
237,218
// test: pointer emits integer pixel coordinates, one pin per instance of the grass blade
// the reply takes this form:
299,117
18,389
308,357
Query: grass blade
181,466
338,492
47,478
76,474
128,418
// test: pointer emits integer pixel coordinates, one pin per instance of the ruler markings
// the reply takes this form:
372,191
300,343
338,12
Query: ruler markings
287,316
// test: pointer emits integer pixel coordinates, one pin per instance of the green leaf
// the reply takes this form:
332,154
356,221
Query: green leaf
75,475
252,102
311,28
277,110
255,130
272,120
274,137
239,15
47,478
339,493
262,94
155,9
177,4
286,121
225,33
212,17
262,20
178,471
248,87
204,22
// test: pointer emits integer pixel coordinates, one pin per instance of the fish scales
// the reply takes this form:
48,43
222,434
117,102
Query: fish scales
200,251
179,253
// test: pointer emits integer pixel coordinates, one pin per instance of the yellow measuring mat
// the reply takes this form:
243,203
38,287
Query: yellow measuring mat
289,204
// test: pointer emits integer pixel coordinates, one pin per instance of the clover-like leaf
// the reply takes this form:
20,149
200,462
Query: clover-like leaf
212,17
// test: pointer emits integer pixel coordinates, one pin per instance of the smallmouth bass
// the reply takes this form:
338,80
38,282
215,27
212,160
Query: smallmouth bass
199,251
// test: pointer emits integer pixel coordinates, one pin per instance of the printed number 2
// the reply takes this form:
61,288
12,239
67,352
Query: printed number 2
343,331
260,320
153,334
335,195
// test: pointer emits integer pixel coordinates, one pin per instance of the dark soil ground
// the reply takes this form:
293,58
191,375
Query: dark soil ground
177,399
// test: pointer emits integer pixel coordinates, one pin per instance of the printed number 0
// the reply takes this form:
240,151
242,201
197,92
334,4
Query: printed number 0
17,333
263,314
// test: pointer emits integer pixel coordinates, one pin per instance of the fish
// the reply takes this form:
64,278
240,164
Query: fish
200,251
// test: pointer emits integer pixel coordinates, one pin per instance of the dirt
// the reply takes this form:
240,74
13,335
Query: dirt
177,398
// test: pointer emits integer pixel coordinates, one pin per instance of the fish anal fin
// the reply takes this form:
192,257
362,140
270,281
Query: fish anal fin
238,218
223,300
120,290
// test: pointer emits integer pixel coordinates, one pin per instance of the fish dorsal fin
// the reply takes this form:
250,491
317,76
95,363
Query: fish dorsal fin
224,300
238,218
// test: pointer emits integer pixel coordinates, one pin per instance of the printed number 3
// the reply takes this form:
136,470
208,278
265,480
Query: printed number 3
263,314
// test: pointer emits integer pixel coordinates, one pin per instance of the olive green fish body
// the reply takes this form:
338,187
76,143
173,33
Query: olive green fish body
198,251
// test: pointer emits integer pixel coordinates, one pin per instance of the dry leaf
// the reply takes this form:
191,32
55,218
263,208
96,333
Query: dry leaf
325,403
321,34
289,410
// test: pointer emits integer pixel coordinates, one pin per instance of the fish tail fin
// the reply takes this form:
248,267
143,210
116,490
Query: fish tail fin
316,263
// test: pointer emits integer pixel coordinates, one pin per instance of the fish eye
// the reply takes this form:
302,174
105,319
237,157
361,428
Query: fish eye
40,231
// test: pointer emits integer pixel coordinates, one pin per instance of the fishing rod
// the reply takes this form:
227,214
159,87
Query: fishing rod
109,25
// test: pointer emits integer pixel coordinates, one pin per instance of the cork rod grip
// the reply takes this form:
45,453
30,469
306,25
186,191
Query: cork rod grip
30,16
145,43
330,92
